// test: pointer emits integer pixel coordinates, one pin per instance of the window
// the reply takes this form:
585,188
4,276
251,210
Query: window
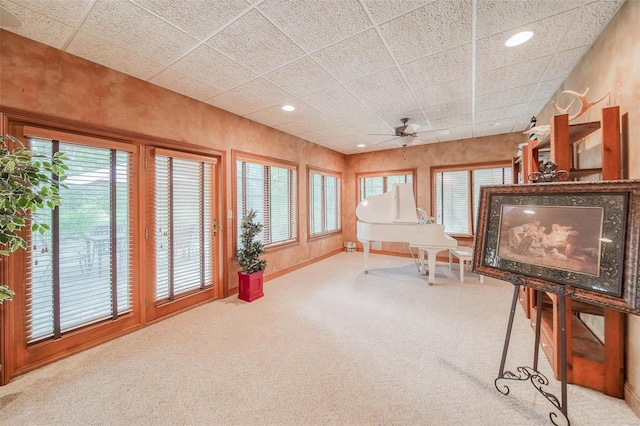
184,226
457,194
79,272
370,184
324,202
270,188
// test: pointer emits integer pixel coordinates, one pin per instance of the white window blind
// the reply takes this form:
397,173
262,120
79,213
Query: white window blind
457,193
374,185
80,271
184,231
324,199
270,190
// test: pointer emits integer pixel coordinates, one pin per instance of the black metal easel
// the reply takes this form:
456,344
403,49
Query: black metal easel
537,379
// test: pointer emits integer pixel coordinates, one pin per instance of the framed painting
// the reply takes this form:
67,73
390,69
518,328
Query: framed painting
579,239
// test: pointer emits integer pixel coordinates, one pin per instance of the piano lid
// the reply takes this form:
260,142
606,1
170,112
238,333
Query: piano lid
395,206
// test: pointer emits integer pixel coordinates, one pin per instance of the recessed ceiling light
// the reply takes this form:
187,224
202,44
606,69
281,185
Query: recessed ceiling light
519,38
288,108
361,145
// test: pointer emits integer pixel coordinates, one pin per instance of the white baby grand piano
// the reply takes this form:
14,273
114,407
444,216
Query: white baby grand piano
392,216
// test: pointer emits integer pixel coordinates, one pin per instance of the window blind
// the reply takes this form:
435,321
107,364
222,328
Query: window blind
324,199
79,272
184,229
271,191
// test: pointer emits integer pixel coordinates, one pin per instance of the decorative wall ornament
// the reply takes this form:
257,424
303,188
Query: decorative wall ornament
548,173
584,104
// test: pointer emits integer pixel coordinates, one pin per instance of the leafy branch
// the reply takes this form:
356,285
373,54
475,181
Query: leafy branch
28,182
248,256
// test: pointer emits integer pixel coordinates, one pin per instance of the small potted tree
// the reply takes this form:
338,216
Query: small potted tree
250,276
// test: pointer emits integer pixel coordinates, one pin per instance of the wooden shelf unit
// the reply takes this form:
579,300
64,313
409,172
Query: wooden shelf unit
590,362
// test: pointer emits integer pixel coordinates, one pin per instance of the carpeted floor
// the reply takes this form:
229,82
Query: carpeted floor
327,344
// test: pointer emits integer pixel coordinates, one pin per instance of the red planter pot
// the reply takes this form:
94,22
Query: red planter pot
250,286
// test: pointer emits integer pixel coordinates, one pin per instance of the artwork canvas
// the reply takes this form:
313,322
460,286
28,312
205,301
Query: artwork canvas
575,238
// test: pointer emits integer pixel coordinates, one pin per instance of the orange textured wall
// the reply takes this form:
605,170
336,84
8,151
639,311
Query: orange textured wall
41,79
612,67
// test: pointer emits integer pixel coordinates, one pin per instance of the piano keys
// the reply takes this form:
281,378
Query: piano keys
393,217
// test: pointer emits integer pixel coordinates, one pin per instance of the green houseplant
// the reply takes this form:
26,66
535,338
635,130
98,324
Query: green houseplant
250,276
28,182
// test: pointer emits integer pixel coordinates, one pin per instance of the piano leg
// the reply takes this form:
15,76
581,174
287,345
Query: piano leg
365,246
431,254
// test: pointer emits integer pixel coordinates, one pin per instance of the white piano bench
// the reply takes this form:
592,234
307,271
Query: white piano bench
463,255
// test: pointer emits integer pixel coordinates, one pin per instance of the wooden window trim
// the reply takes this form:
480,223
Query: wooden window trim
385,173
236,156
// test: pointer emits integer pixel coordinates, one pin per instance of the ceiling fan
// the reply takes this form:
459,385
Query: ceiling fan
407,133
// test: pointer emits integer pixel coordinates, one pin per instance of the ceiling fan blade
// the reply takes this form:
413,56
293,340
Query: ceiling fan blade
379,134
388,140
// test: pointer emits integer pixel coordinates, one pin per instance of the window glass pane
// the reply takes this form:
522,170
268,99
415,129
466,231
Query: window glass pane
331,204
271,192
93,243
482,177
279,204
162,241
452,201
184,228
315,197
375,185
186,225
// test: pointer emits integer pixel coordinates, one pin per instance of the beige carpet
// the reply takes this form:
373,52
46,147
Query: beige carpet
326,345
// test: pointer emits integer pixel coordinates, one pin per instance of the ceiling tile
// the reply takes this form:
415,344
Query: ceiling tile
130,27
213,68
262,93
521,74
355,57
318,122
183,84
450,109
517,95
68,12
445,92
379,85
255,43
564,62
445,66
590,22
274,115
456,133
486,129
38,27
546,89
492,53
387,109
384,10
438,26
301,77
316,24
499,114
92,48
198,18
333,100
330,133
534,107
449,122
497,16
234,104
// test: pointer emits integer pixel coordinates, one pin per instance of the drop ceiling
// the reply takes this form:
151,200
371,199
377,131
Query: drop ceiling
351,68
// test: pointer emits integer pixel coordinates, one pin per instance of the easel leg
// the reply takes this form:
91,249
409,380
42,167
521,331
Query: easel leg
505,349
